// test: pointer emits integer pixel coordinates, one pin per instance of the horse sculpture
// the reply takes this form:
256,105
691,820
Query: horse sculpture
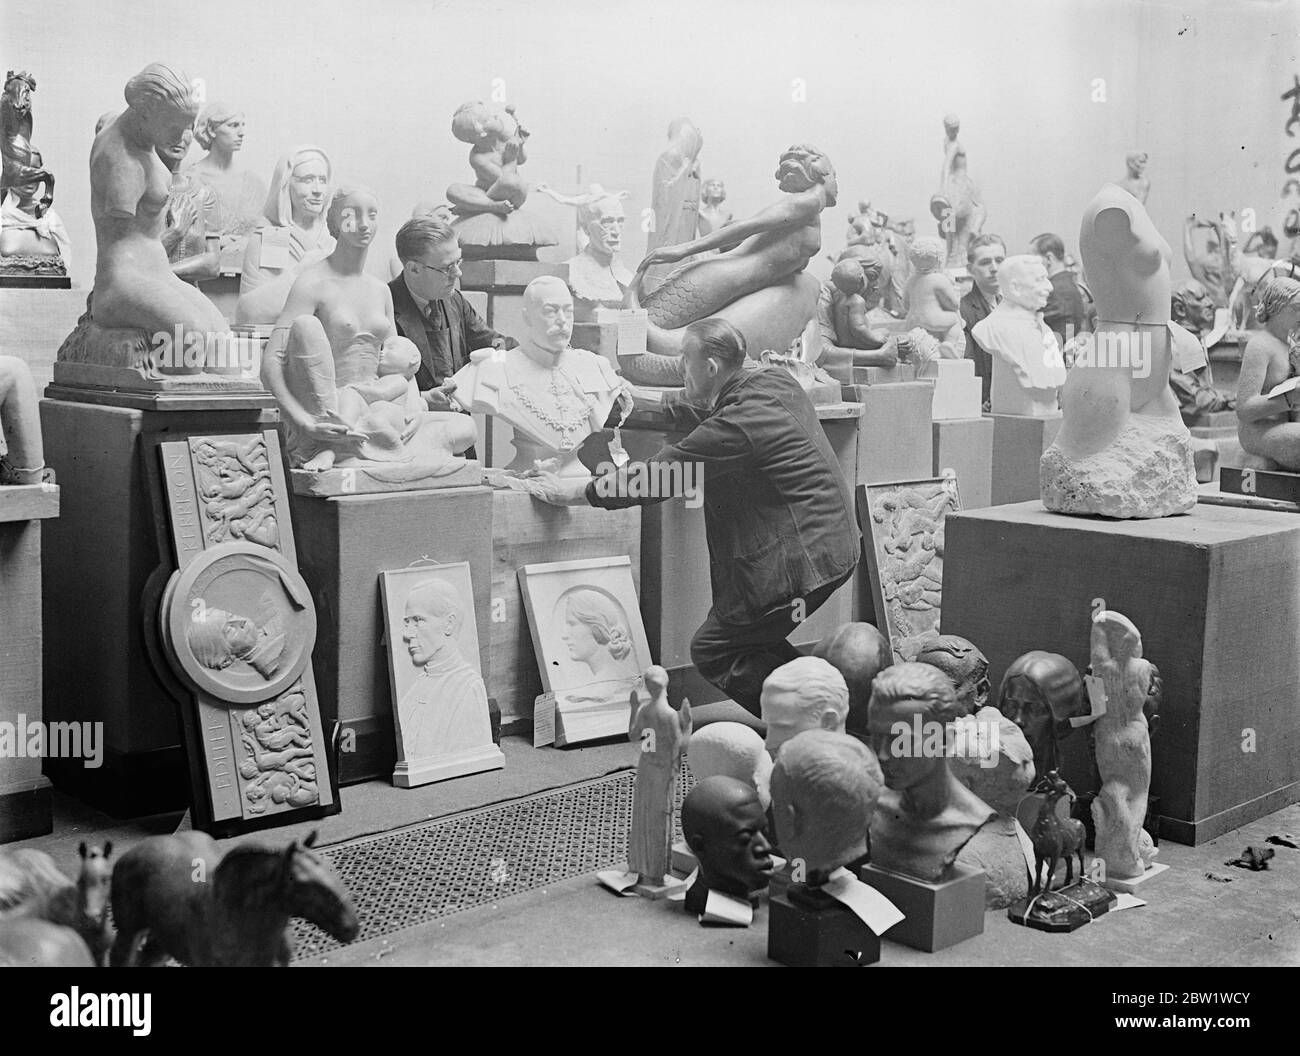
46,919
1055,837
177,896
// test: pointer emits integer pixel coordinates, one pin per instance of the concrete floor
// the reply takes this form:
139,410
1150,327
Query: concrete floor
1199,912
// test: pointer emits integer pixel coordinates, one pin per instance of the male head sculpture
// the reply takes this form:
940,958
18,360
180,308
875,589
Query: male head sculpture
602,219
899,694
723,823
1136,162
806,694
859,652
731,749
824,791
966,667
1023,281
548,314
1191,306
713,192
435,613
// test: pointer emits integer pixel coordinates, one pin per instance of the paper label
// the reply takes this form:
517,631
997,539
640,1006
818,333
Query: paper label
724,909
1026,847
1283,387
1189,354
1096,700
868,904
619,882
544,720
276,254
1123,900
632,326
617,451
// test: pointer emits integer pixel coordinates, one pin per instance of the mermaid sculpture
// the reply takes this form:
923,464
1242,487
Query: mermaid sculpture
490,222
757,283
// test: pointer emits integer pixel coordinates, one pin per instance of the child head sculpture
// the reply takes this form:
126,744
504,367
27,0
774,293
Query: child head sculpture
806,694
824,791
849,277
475,121
927,254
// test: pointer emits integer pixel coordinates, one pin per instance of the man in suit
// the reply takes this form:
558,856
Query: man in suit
984,256
432,312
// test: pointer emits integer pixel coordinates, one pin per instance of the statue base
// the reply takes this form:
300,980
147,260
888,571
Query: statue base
1260,483
129,379
372,478
1019,441
809,929
30,271
1066,909
965,445
894,433
957,391
415,772
682,859
1131,884
936,915
19,281
26,808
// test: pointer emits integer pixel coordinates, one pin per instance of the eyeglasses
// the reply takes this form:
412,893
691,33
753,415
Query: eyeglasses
446,271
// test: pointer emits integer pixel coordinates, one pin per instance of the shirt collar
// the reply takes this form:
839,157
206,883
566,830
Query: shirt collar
420,302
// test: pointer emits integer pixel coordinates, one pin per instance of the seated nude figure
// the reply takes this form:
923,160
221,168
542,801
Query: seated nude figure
344,379
129,183
1266,427
933,303
757,282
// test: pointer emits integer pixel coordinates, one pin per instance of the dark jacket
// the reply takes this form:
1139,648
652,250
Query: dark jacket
1064,312
443,349
777,511
975,308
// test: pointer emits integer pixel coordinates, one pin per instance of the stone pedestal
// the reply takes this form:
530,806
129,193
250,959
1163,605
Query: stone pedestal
344,542
957,391
894,440
935,916
831,936
102,574
25,809
965,445
1216,594
1018,443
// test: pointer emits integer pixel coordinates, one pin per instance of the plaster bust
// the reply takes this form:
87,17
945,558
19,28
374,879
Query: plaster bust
713,214
824,790
1040,693
1028,367
859,652
597,278
808,693
219,129
723,823
926,815
734,750
1135,180
966,667
553,396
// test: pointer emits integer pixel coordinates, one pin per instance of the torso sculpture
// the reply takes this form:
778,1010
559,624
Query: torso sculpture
177,896
661,735
1123,450
1123,745
959,206
344,379
490,223
757,283
32,237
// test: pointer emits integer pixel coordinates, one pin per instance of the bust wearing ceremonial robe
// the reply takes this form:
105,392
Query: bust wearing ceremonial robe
1028,367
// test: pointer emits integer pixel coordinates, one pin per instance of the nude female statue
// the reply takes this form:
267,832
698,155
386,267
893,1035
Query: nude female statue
129,184
343,377
758,281
958,206
1265,426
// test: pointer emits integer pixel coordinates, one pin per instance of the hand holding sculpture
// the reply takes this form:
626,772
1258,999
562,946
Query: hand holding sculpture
825,786
926,816
723,823
806,694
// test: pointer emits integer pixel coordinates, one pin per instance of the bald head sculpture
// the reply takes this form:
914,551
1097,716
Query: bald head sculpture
859,652
548,314
723,823
824,791
731,749
435,613
806,694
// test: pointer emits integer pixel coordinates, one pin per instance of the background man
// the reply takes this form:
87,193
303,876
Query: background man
983,258
432,312
1065,314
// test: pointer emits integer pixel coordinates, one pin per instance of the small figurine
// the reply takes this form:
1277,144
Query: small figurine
806,694
1265,423
723,823
1135,180
959,206
661,734
178,896
491,222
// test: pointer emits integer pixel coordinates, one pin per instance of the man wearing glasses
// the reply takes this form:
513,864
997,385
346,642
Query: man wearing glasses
432,312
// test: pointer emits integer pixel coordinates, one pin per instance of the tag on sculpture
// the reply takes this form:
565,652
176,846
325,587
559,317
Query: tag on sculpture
276,255
1096,700
868,904
1189,354
724,909
1282,388
1123,900
544,720
633,324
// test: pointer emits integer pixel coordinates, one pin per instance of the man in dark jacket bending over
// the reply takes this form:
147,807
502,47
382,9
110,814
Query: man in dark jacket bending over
778,514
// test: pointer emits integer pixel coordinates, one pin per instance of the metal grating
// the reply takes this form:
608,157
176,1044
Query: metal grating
412,876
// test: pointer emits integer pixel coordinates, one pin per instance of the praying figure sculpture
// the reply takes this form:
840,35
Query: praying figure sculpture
675,196
597,278
491,221
33,242
344,379
1123,745
136,293
1135,180
22,458
239,194
1028,367
926,816
758,281
661,735
1122,450
959,206
551,395
293,233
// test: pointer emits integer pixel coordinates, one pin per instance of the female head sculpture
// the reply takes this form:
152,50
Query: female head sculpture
211,118
280,197
602,619
218,638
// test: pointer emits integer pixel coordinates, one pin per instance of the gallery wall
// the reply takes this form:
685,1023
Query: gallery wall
1051,95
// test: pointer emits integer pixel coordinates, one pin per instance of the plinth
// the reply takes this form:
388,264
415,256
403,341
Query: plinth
1216,596
1019,441
965,445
